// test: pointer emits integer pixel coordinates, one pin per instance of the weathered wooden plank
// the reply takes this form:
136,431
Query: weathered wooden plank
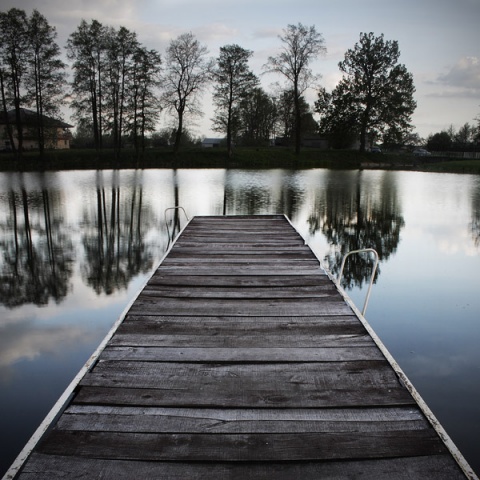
203,291
185,420
272,234
228,243
240,259
214,325
112,422
189,395
239,270
247,224
239,307
243,447
58,467
244,281
276,377
235,340
184,354
212,249
237,222
269,236
239,293
286,246
242,235
243,420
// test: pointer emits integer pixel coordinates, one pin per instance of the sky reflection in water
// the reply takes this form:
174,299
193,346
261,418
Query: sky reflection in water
75,247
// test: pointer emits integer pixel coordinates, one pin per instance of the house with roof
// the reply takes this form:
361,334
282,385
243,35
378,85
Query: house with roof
56,132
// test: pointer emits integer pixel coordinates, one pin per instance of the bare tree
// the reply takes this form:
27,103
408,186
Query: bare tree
46,79
121,46
13,64
144,106
186,76
301,45
87,49
234,82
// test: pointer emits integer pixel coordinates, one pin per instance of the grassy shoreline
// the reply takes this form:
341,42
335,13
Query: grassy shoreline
247,158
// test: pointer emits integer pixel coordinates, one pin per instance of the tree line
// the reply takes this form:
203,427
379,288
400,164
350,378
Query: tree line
119,87
466,138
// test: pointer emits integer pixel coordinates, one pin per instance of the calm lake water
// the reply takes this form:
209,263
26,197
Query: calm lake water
75,247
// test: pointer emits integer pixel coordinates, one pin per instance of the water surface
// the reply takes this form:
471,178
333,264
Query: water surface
75,248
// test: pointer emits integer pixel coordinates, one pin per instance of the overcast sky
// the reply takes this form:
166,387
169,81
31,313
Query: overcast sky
439,39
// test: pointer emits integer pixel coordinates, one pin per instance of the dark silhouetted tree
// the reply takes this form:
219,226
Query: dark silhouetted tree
375,95
86,47
46,74
14,66
187,71
233,82
144,103
301,45
439,142
257,113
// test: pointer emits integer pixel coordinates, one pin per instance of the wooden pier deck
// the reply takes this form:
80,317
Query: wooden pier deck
241,360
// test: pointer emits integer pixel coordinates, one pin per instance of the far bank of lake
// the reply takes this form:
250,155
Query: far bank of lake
251,158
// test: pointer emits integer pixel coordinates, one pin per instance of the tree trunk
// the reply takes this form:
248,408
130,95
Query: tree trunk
8,125
19,125
298,121
363,137
363,129
229,135
178,133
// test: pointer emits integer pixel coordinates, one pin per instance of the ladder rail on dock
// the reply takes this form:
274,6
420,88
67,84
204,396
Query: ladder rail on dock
241,358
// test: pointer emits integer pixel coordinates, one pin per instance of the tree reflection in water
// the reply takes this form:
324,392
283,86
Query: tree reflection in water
37,253
354,215
475,225
113,237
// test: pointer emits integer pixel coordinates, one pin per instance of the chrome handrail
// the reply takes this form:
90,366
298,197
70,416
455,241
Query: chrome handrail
340,275
166,222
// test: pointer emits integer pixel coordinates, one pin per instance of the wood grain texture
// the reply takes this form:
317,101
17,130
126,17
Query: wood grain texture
59,467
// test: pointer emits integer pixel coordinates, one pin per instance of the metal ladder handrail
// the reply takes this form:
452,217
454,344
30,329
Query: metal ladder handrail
166,222
340,275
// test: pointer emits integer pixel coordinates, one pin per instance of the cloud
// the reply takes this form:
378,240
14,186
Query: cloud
22,342
463,77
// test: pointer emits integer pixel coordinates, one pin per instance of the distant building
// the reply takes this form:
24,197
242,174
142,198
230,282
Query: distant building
212,142
57,133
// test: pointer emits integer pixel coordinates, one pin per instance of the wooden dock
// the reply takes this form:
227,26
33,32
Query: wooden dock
240,359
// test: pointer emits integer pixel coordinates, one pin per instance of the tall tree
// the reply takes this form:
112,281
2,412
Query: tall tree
234,81
121,46
376,92
301,45
187,72
14,64
144,105
86,47
46,73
